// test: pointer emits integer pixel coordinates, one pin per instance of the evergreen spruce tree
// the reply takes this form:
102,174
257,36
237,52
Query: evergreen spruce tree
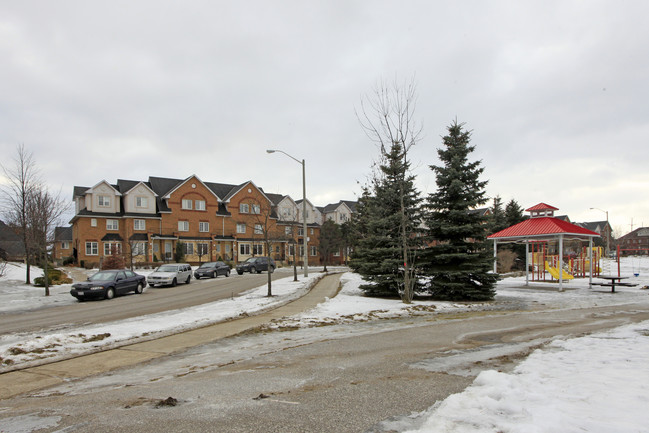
513,213
457,261
380,224
497,220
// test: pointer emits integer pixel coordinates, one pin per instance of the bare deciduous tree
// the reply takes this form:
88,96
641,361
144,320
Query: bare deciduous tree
22,180
387,117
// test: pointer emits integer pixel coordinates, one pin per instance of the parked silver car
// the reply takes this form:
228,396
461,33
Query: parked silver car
170,274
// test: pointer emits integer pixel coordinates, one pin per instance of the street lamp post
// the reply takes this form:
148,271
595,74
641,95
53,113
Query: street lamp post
304,234
608,230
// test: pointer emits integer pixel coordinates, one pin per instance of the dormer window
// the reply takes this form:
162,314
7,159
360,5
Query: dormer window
141,202
103,201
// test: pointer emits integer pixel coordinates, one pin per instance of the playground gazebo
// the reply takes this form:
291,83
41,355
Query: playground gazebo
543,226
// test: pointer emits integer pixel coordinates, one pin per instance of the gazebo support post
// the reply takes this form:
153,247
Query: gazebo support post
495,256
590,261
561,263
527,263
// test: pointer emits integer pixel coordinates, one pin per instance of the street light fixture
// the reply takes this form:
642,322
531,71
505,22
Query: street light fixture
608,230
306,251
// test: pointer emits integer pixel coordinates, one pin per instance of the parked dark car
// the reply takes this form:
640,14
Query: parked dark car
255,265
212,270
108,284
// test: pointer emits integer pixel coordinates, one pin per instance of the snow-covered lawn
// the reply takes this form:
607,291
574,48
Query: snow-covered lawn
597,383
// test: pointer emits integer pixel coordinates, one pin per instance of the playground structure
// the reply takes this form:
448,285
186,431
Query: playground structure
620,250
542,263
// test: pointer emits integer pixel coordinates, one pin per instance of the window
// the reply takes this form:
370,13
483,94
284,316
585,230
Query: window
277,249
65,245
301,250
227,248
259,230
291,250
244,249
300,231
244,208
103,201
139,248
203,227
112,225
200,204
311,231
258,249
188,248
139,224
241,228
336,254
314,250
183,226
186,204
156,248
141,202
92,248
218,248
93,222
256,209
203,248
108,248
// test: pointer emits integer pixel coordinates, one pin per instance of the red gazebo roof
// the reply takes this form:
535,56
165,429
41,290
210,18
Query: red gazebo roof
543,227
541,206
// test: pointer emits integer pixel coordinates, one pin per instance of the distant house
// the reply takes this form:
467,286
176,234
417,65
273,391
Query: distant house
635,243
12,247
62,247
603,228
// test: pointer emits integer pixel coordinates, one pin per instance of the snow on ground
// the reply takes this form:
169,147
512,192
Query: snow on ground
597,383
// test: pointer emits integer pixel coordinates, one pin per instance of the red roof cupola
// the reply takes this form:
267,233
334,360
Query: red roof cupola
541,210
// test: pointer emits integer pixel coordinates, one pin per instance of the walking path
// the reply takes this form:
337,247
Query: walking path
30,379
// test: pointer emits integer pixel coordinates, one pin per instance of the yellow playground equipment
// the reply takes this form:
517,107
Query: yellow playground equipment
574,265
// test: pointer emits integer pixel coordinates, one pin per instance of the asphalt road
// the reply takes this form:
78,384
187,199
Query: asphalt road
153,300
341,378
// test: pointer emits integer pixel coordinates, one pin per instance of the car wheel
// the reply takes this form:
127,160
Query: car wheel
189,278
174,283
227,273
151,285
139,289
272,269
214,274
253,270
110,293
240,272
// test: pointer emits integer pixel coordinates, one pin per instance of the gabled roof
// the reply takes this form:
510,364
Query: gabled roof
542,228
125,186
332,207
181,183
63,233
236,190
540,207
114,187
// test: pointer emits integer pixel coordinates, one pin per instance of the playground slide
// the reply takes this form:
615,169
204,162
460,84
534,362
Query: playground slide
555,272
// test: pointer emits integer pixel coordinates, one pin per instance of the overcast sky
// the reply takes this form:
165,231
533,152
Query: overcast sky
555,92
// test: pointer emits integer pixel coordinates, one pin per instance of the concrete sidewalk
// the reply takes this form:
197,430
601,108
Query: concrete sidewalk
31,379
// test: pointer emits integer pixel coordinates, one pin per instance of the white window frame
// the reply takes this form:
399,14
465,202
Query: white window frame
139,249
244,208
199,204
255,209
202,248
244,249
300,231
142,202
188,248
203,226
112,224
288,230
139,224
93,222
186,204
259,229
241,228
108,246
65,245
258,249
183,226
92,248
103,201
314,251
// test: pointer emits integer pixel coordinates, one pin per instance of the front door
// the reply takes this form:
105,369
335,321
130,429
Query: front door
168,251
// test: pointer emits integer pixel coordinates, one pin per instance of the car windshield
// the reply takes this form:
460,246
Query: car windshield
207,265
251,260
167,268
103,276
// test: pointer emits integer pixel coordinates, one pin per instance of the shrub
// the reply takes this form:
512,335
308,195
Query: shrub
505,261
55,277
68,260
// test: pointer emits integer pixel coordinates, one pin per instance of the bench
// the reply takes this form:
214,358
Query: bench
613,284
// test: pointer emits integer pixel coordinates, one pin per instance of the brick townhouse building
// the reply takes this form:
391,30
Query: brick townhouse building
145,220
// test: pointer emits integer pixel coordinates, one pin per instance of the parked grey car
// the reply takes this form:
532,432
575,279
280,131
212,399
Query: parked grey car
170,274
212,270
255,265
